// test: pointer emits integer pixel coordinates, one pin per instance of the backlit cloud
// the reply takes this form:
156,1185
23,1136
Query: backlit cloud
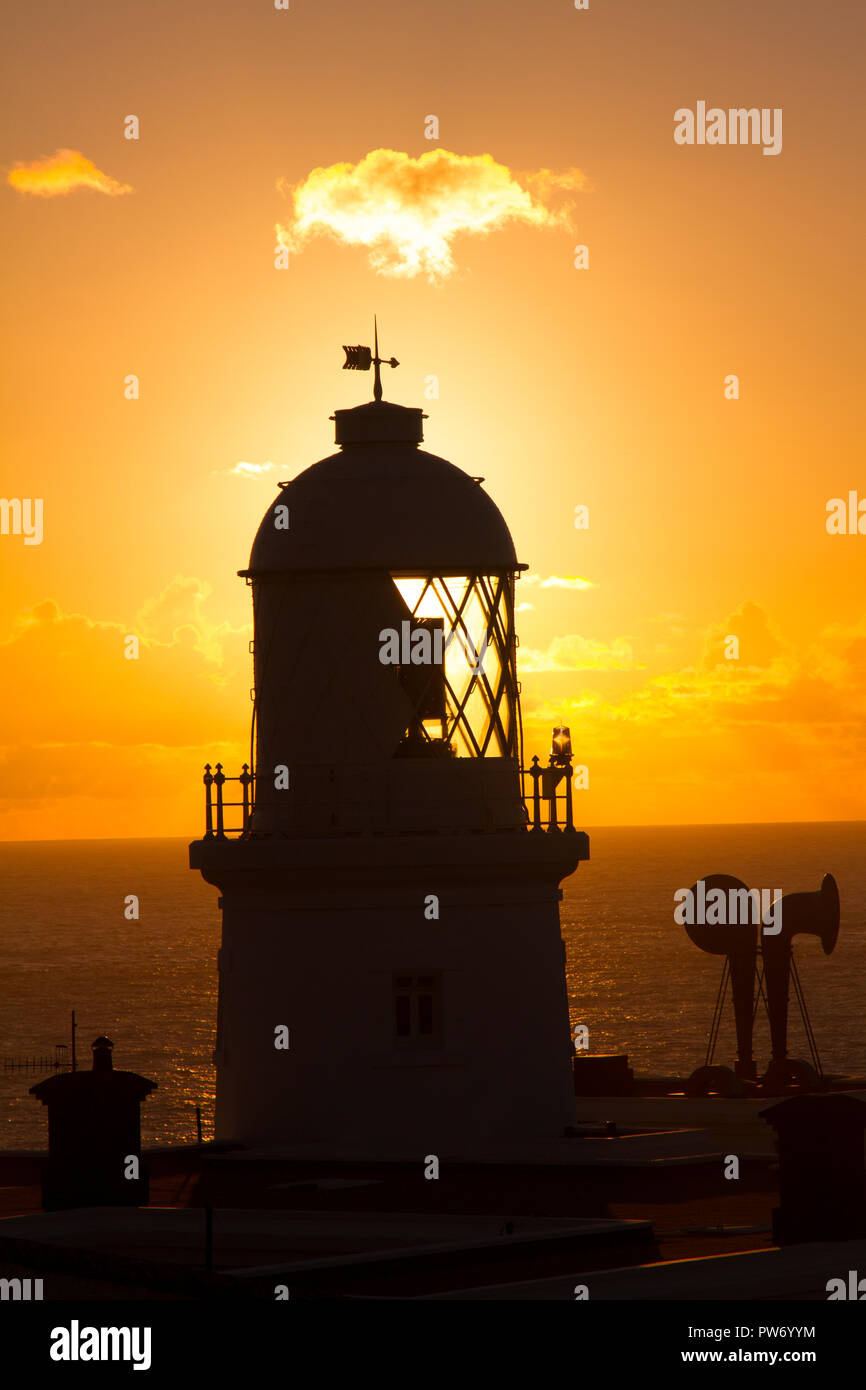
559,581
757,644
407,211
62,172
101,745
245,470
576,653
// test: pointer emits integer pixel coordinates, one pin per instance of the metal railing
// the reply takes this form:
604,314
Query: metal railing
61,1061
546,793
551,810
216,805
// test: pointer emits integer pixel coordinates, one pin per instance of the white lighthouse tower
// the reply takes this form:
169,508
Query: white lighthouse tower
391,970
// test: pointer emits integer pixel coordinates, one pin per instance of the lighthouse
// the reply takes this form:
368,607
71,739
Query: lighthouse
391,971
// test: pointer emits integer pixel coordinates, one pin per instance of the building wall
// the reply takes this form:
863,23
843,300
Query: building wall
325,968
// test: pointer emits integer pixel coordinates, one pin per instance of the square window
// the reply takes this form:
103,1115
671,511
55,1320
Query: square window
425,1014
418,1009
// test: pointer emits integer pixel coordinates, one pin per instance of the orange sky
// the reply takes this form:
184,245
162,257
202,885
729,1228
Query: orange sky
562,387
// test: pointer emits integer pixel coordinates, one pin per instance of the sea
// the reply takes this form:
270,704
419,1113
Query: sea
635,980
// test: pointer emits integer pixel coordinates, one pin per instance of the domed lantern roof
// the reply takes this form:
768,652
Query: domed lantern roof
383,503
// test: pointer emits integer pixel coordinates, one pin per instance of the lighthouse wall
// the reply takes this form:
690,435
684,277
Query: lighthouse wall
499,1066
322,694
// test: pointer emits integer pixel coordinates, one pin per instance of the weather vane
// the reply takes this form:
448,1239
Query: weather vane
361,359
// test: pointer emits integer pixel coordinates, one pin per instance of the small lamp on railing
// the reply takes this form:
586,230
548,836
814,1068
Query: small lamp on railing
560,749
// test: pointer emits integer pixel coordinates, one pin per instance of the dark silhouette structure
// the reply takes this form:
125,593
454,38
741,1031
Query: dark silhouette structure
811,914
94,1135
599,1075
745,943
822,1169
739,944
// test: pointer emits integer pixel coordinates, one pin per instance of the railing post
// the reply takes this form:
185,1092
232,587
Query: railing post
569,810
208,806
553,825
535,774
245,779
219,779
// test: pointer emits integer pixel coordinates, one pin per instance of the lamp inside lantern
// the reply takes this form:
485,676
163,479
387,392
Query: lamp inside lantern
560,750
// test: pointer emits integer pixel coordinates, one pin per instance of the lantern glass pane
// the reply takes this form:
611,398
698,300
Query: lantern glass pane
476,612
